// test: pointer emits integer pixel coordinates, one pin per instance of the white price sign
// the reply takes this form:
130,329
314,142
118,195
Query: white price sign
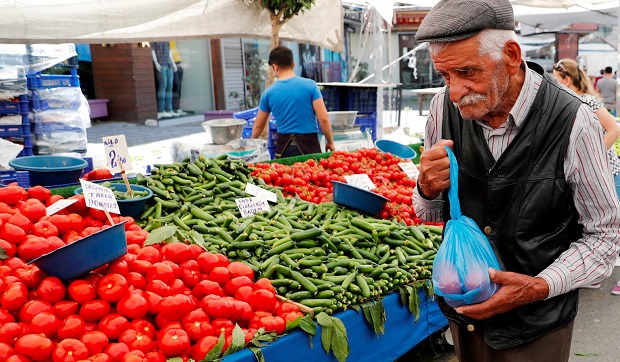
257,191
59,205
99,197
116,153
410,169
249,206
360,180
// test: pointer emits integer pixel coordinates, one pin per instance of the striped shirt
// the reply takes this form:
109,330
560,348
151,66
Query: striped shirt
591,258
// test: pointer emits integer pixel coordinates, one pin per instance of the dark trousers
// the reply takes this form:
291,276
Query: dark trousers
552,347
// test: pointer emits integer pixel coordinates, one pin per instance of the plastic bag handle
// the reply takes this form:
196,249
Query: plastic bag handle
453,191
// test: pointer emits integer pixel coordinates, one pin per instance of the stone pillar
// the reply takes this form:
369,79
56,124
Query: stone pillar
123,73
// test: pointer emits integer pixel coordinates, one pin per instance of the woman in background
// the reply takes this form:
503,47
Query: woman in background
568,73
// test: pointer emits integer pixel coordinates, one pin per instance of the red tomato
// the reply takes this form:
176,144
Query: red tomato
69,350
33,247
95,341
22,221
222,325
6,351
244,293
207,261
82,291
238,269
190,273
136,280
6,317
217,307
116,351
11,332
149,253
220,275
34,212
37,347
32,308
204,346
44,229
62,222
195,250
112,287
196,324
9,249
113,325
143,326
133,306
262,300
14,297
158,287
65,308
71,327
174,342
176,252
13,234
207,287
139,266
160,271
174,307
94,310
231,286
136,340
264,283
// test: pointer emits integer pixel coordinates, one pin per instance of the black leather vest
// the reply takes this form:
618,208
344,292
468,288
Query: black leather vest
522,203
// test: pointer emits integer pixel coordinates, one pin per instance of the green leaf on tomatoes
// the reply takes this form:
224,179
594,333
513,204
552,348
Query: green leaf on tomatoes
258,354
159,235
3,254
238,341
175,359
375,316
215,353
293,324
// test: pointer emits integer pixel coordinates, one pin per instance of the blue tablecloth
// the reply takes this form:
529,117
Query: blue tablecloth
401,334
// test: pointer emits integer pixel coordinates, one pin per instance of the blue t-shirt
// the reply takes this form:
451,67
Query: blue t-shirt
290,102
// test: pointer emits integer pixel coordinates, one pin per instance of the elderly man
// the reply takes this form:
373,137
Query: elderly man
533,175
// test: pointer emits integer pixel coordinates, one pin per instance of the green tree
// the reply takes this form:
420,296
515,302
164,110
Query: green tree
281,11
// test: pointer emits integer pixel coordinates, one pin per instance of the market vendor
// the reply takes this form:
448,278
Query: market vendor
296,104
533,174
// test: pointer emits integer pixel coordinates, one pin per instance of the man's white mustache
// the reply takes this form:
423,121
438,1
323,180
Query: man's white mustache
469,99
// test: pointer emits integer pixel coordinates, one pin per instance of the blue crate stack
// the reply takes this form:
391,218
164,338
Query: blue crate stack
14,123
249,116
360,99
56,102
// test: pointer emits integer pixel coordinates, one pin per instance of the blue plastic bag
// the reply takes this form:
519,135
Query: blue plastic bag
460,268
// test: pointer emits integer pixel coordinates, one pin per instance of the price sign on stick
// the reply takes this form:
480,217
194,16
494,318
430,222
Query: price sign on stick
257,191
249,206
360,180
116,153
409,169
100,198
59,205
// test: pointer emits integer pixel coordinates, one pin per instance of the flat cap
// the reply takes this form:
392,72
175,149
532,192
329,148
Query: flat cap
453,20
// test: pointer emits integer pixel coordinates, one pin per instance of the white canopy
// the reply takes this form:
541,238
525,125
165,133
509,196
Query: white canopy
128,21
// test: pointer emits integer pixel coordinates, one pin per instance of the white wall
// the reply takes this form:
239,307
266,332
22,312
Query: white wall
197,85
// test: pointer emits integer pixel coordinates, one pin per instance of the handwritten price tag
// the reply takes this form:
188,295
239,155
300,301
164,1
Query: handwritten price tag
410,169
360,180
99,197
257,191
249,206
59,205
116,153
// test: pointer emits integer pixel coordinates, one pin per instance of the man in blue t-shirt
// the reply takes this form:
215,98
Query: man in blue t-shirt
296,104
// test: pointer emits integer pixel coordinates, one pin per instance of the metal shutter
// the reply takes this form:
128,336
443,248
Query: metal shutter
233,71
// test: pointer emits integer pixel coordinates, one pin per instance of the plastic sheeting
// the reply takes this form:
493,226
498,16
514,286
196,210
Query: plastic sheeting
122,21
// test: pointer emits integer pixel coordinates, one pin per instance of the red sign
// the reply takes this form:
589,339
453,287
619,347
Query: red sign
409,19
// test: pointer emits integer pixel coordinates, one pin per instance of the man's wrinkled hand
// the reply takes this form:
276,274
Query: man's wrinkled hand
515,290
435,170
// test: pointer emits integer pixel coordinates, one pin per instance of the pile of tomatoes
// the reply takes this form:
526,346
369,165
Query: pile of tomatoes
156,302
311,180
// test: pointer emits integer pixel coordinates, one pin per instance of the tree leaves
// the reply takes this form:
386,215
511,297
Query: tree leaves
375,315
161,234
333,336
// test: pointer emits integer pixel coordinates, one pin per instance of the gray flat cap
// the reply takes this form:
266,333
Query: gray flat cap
452,20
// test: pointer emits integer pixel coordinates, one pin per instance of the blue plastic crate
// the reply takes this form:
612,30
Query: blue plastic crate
40,105
45,81
19,106
249,124
39,128
272,151
332,98
368,123
362,100
247,114
10,176
247,133
15,130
